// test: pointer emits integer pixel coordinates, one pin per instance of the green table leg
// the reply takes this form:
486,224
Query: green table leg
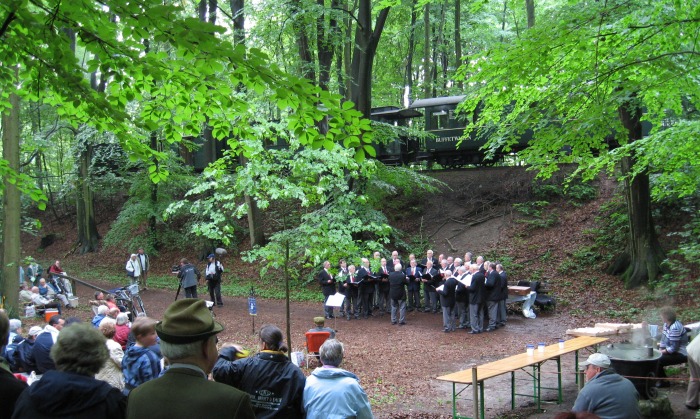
512,390
560,398
481,395
454,400
538,367
576,365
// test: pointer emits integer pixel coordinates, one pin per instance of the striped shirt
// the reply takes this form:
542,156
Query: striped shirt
674,338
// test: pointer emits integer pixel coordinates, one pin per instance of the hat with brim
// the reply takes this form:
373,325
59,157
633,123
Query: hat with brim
597,359
187,321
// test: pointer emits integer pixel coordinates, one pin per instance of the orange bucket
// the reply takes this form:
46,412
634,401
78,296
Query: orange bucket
50,312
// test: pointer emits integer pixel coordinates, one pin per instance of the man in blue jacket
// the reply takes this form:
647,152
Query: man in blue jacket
606,393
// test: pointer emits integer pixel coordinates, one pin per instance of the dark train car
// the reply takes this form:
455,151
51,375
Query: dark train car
442,121
402,150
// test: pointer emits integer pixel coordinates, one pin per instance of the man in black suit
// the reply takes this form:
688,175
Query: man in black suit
414,276
327,286
502,312
352,294
340,279
447,301
364,276
493,288
429,285
397,293
462,298
423,265
383,288
476,299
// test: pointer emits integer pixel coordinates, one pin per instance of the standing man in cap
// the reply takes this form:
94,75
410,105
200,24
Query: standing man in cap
188,339
606,393
189,277
320,323
213,277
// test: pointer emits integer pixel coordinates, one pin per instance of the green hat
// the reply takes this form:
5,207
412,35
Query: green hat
186,321
319,320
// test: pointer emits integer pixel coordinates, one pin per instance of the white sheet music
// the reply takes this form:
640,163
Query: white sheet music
335,300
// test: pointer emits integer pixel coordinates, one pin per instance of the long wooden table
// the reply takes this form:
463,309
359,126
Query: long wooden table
512,364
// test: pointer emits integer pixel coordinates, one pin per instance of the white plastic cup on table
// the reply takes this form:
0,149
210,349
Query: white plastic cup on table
561,343
530,349
540,347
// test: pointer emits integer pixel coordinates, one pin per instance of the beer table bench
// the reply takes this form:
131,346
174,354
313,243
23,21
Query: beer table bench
477,375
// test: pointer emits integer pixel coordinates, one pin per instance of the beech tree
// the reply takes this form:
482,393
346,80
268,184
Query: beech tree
191,80
584,80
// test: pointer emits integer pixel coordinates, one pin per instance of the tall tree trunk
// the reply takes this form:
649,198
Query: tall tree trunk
408,77
530,9
303,43
503,21
255,226
152,230
439,52
347,51
644,251
427,42
12,208
458,39
366,41
88,237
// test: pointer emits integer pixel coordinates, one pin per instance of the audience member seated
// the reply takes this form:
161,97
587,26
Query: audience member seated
111,316
15,329
188,339
25,295
101,314
41,302
331,391
23,353
10,387
275,384
606,393
50,293
41,351
71,389
674,341
111,372
111,302
123,329
320,323
99,299
140,364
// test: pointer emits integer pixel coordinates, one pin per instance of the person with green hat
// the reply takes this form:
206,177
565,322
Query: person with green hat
320,323
188,337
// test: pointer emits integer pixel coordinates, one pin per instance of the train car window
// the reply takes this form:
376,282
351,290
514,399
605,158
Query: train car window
439,119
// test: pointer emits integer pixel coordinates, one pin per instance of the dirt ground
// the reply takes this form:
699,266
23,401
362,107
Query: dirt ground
397,365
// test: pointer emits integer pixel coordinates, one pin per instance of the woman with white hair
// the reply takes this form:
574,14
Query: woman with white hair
331,391
123,328
133,269
71,390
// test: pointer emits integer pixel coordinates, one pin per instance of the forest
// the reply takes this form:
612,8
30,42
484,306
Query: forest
169,112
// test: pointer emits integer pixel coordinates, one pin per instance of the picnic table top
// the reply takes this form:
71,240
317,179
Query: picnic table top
516,362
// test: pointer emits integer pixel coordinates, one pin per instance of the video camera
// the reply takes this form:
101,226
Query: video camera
175,269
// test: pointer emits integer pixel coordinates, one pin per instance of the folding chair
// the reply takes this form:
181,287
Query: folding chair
314,340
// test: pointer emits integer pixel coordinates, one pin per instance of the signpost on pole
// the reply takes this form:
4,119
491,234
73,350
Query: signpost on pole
252,306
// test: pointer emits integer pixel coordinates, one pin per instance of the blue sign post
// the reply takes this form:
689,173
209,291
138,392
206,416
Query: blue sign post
252,306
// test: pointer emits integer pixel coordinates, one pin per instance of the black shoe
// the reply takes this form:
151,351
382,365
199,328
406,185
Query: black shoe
474,332
402,323
393,322
663,384
446,330
689,407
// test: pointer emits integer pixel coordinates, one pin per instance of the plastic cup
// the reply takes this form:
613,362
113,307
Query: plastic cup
561,343
540,347
530,349
653,330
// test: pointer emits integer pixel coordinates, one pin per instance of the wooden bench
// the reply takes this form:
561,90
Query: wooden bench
512,364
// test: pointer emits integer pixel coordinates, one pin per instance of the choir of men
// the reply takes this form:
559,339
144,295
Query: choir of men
470,292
